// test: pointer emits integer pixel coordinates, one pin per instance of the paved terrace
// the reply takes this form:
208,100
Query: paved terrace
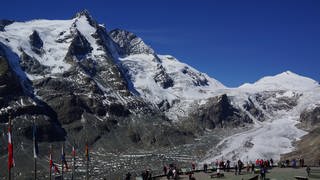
273,174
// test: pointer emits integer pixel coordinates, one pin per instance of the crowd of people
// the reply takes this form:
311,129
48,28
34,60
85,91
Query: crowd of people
293,163
171,171
260,166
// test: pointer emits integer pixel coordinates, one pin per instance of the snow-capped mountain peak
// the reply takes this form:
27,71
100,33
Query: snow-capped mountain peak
162,79
48,41
283,81
83,12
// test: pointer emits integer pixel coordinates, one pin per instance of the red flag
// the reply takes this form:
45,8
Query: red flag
87,151
52,165
50,161
73,152
10,149
56,169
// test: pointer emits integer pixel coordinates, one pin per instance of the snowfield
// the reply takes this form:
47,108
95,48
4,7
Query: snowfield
49,31
189,85
273,137
266,140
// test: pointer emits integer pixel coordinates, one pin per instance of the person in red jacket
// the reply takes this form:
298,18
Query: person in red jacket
193,166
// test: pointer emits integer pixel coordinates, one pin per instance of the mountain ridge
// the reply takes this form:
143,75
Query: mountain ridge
79,72
284,80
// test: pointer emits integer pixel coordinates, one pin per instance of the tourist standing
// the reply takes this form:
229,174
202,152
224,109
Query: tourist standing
308,169
252,168
248,167
228,165
294,163
205,167
263,173
193,165
240,165
165,170
128,176
235,169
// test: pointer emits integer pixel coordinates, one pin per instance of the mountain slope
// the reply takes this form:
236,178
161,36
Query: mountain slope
271,103
68,70
275,104
286,81
79,82
162,79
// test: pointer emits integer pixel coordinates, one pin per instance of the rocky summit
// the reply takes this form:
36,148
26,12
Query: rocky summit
80,83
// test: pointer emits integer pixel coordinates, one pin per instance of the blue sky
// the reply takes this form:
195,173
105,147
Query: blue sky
233,41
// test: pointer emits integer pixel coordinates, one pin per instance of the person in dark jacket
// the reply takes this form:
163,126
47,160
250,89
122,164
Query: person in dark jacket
165,170
205,167
308,169
240,165
263,173
235,169
128,176
252,168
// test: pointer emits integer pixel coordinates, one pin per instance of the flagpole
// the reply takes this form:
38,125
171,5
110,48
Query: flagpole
62,162
87,149
35,153
87,158
50,156
35,168
9,161
74,162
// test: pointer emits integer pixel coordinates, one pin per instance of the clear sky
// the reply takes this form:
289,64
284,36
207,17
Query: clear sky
232,41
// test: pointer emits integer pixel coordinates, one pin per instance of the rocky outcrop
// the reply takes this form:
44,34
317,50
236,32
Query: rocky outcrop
129,43
162,78
4,23
15,104
308,146
273,101
310,118
253,110
198,78
9,83
219,113
32,66
78,48
86,14
36,42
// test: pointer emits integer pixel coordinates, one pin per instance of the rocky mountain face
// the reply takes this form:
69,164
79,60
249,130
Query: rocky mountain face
308,146
219,113
79,83
66,76
15,103
310,117
161,79
8,81
4,22
129,44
